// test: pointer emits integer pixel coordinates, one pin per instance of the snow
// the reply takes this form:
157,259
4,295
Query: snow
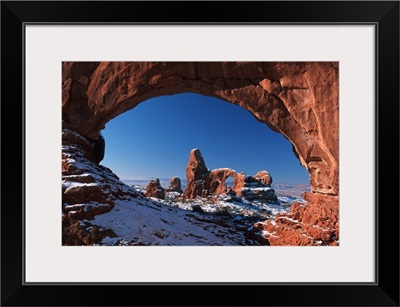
267,234
224,169
323,229
70,185
86,207
290,199
243,208
259,189
137,220
84,175
174,221
109,241
288,218
150,223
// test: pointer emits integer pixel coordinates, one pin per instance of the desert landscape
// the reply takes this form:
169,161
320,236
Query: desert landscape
221,206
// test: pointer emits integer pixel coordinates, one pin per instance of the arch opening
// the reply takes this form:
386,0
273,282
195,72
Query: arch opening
229,183
154,139
298,100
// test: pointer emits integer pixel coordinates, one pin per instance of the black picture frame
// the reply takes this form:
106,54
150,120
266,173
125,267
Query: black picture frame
383,14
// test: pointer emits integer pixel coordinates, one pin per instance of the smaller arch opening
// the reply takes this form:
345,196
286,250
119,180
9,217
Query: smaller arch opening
229,183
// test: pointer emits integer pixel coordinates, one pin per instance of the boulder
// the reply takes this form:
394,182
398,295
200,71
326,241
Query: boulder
264,178
175,185
154,189
263,194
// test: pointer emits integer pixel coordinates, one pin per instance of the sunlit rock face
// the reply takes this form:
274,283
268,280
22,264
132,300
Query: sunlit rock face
304,224
154,189
175,185
297,99
196,172
203,182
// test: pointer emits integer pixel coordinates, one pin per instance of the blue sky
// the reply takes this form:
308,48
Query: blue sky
155,139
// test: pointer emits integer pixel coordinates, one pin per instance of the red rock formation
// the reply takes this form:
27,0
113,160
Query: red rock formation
263,177
196,173
304,224
297,99
175,185
202,182
196,167
216,181
154,189
75,233
318,198
88,189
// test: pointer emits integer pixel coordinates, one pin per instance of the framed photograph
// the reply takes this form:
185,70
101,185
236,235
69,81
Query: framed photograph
239,149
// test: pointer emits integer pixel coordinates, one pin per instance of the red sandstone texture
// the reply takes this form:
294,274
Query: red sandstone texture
154,189
304,224
264,177
88,189
175,185
203,182
297,99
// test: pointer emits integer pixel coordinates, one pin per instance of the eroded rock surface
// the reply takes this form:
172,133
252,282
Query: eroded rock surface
175,185
304,224
203,182
88,189
297,99
154,189
196,173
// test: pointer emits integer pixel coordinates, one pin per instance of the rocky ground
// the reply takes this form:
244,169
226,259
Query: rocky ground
222,220
99,209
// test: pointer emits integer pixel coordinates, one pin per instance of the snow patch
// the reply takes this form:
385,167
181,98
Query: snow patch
109,241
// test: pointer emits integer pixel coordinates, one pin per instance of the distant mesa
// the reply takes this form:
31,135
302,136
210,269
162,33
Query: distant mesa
203,182
154,189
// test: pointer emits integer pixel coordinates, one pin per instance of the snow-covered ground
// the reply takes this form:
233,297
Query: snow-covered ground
218,220
221,220
237,206
285,200
99,208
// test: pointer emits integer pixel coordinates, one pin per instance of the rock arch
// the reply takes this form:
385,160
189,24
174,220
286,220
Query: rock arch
297,99
220,175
